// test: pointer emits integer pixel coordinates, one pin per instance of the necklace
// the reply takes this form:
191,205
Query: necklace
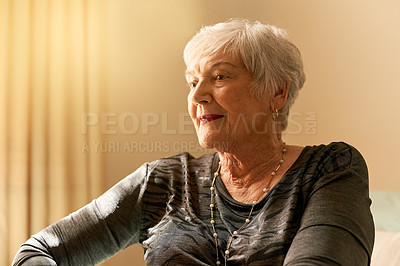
266,189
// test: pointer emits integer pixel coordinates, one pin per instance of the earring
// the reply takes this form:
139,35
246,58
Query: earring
275,115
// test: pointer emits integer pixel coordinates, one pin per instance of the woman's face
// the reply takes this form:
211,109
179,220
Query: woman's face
223,109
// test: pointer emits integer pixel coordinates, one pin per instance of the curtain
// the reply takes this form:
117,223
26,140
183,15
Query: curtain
52,73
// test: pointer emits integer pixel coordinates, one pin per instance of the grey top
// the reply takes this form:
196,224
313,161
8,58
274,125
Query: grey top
317,214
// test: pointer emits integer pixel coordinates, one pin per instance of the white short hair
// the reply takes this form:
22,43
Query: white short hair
265,50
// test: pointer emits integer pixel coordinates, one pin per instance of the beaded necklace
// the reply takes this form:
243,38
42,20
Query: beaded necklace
266,189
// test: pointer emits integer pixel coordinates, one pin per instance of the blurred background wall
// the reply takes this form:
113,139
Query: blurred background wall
128,62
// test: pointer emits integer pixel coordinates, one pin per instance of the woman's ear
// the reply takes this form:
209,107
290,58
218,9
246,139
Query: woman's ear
280,97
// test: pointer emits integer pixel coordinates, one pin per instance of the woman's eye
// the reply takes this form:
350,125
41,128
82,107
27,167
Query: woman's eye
220,77
192,85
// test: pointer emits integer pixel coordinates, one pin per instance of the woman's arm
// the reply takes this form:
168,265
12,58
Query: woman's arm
94,233
337,226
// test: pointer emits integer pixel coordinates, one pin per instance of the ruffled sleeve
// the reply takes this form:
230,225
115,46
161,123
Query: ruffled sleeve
94,233
336,227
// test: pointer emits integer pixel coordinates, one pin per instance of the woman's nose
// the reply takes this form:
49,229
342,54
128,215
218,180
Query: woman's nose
202,93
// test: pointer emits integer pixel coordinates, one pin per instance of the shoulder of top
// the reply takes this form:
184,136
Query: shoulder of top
337,155
339,148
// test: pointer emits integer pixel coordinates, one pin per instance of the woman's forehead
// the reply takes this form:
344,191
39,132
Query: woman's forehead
203,63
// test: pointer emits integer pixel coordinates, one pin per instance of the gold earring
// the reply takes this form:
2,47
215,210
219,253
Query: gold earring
275,115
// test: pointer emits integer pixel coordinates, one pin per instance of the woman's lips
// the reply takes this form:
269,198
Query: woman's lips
210,117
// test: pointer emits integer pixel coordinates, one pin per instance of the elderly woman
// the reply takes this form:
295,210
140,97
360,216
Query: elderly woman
256,201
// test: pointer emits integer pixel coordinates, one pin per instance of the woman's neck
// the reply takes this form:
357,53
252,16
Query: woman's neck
247,172
241,168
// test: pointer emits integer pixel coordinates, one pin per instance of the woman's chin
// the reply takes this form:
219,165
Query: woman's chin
213,144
